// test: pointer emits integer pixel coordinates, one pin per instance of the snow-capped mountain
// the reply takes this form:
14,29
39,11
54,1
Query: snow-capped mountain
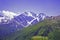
12,22
19,21
29,18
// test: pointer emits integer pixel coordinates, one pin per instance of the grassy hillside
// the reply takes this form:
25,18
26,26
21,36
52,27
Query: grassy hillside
41,29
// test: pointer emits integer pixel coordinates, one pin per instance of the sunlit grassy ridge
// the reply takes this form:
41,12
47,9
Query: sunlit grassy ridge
42,29
39,38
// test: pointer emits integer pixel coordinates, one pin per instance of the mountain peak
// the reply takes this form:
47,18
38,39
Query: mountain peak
28,18
21,20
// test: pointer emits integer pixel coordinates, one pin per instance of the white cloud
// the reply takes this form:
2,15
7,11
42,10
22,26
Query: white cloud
9,14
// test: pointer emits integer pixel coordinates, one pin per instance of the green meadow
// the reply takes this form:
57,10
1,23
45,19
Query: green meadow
39,38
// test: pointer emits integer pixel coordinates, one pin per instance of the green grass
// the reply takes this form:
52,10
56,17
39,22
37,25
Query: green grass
39,38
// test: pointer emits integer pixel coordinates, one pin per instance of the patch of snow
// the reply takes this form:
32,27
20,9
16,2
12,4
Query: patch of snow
29,14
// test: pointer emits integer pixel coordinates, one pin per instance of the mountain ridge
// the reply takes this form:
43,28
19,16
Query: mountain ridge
18,22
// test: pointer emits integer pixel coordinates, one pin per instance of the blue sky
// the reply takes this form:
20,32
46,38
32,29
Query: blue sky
49,7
